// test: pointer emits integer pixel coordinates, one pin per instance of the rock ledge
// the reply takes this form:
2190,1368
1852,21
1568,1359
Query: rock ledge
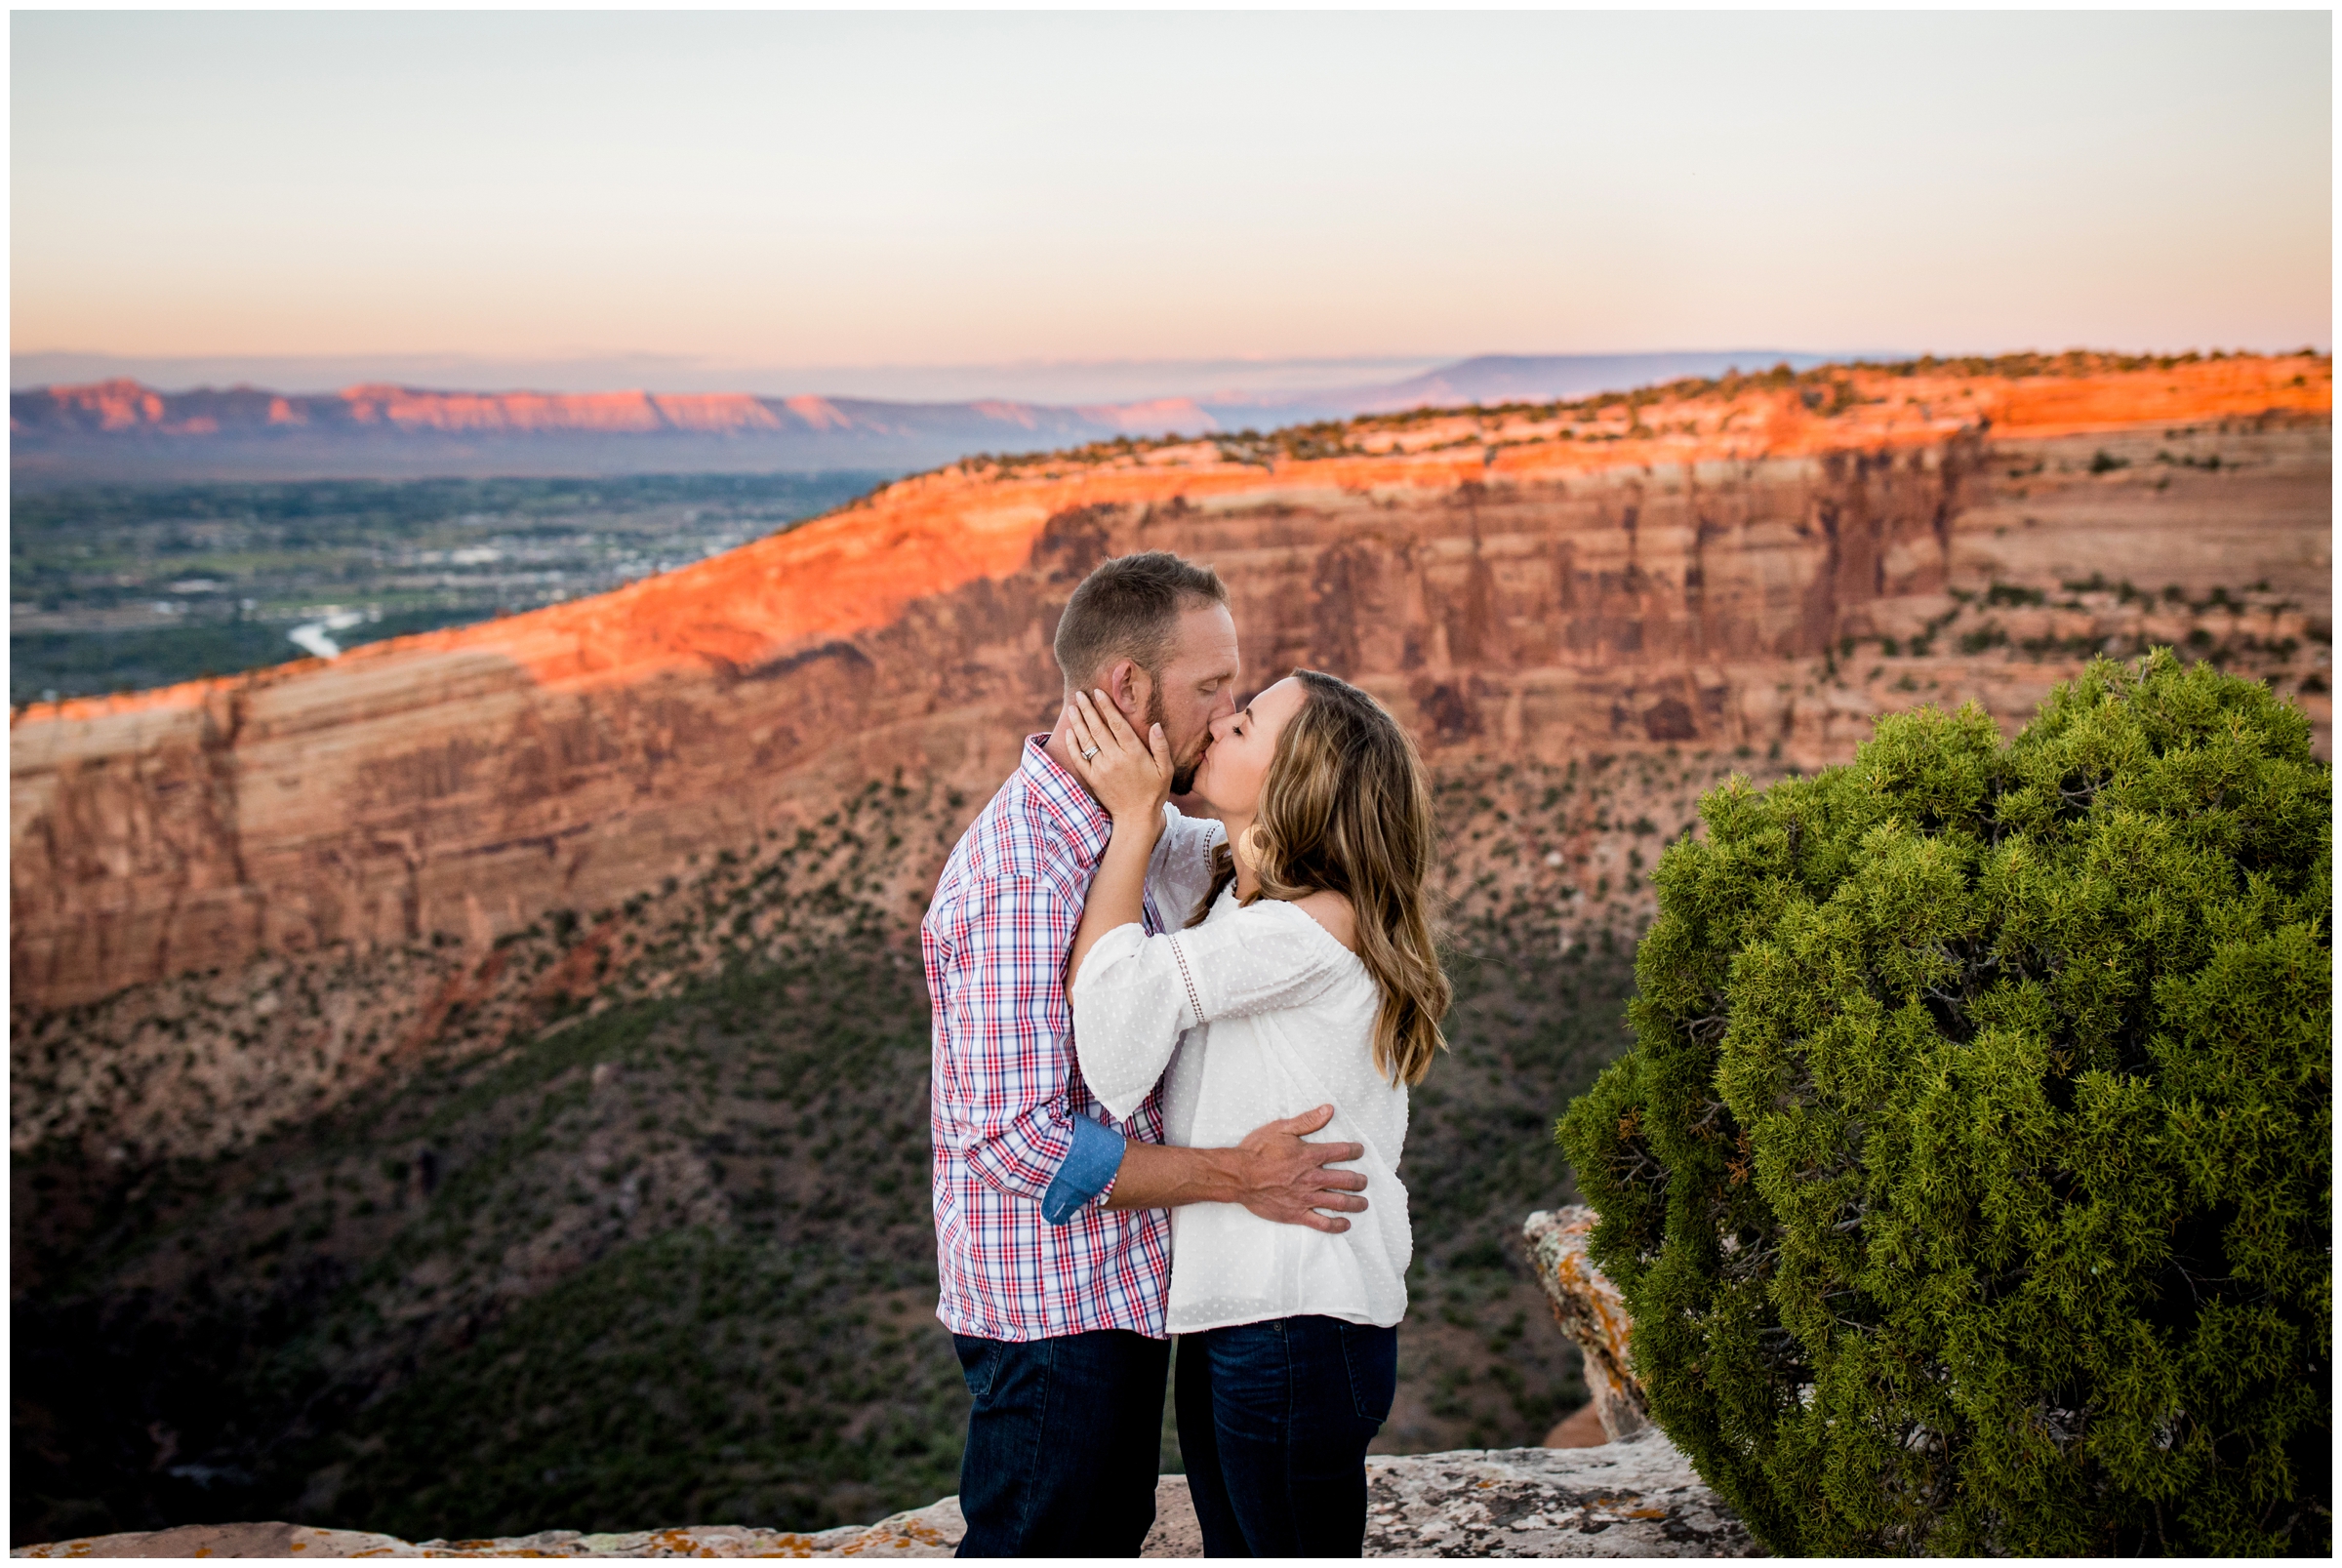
1622,1500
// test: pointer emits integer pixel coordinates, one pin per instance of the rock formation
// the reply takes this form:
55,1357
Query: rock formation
1627,1500
1591,1311
1531,594
124,408
111,431
1709,570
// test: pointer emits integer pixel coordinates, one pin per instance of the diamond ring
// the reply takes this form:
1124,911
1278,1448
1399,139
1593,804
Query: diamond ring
1091,752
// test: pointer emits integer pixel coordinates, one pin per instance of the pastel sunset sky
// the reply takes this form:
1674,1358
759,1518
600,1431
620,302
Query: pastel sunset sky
768,195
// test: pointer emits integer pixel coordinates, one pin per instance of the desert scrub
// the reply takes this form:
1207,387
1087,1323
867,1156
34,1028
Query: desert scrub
1970,1179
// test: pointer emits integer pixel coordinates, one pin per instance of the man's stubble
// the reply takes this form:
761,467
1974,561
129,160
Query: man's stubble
1182,775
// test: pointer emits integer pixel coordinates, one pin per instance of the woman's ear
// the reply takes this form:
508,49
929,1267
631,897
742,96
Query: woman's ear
1247,848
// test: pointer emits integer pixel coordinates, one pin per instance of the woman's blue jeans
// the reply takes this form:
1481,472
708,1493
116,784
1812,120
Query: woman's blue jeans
1273,1423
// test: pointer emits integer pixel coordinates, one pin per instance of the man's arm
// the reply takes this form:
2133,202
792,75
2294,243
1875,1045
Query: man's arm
1273,1172
1007,1108
1001,1093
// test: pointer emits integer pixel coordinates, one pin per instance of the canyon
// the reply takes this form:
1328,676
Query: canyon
1509,593
394,1036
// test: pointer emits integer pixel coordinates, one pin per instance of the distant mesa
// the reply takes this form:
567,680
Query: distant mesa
1496,379
122,430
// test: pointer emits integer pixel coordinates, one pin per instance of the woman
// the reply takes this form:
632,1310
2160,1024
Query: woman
1307,976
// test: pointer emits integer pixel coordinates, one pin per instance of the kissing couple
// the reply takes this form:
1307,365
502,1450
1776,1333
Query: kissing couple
1142,1017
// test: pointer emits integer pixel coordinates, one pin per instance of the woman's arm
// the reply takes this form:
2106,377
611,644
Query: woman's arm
1135,994
1131,778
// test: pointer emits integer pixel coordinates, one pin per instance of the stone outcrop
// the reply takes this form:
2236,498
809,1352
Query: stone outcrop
1624,1499
1591,1311
929,1532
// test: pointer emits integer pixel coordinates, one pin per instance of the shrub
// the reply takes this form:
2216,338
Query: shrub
1969,1178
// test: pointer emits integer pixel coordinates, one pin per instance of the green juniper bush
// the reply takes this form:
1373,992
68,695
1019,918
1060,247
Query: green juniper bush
1970,1177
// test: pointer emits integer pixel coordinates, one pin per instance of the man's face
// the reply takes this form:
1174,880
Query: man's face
1197,685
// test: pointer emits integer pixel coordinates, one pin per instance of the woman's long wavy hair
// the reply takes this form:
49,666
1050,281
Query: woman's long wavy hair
1345,809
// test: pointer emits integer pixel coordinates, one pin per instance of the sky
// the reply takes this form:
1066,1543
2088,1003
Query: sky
786,202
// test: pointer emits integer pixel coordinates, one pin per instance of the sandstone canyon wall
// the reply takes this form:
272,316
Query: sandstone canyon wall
1745,571
1542,598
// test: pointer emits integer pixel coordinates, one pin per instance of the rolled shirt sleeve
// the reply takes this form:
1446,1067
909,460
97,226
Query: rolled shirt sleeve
1088,1173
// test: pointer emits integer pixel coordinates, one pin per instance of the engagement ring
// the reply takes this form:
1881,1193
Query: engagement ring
1091,752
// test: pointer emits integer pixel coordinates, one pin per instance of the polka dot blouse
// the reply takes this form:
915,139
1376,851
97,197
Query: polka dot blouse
1258,1012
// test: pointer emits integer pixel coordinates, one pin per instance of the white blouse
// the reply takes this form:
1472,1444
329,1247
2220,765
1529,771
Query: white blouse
1259,1013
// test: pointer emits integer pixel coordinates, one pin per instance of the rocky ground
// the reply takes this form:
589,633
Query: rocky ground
1623,1500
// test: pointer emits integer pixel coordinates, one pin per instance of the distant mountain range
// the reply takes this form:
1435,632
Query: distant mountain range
123,431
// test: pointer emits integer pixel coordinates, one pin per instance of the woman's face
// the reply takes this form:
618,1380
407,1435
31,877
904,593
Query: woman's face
1229,776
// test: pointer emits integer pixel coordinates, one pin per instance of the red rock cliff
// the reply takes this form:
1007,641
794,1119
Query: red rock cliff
1532,582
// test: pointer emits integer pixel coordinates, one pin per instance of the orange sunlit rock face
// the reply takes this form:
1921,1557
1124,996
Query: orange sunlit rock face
115,405
1532,581
126,405
591,413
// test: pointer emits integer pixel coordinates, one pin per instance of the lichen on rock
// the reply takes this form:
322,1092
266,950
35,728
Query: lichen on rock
1622,1500
1591,1311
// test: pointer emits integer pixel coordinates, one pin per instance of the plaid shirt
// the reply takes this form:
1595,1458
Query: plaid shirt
1024,1153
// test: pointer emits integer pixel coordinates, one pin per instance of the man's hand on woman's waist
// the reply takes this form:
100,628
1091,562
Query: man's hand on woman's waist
1275,1172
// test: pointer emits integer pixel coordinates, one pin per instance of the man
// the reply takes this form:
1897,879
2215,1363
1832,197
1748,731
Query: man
1052,1225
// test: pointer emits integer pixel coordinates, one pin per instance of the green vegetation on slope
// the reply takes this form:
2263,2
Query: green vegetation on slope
671,1260
351,1306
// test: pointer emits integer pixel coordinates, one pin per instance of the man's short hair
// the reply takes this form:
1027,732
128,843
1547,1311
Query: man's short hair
1129,608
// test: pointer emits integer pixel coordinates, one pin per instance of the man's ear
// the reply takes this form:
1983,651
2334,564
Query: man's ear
1129,686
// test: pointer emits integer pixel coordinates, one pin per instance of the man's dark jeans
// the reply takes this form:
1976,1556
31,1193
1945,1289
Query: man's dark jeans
1273,1423
1064,1443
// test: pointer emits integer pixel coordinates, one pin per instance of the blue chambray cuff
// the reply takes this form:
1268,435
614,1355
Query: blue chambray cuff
1088,1170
